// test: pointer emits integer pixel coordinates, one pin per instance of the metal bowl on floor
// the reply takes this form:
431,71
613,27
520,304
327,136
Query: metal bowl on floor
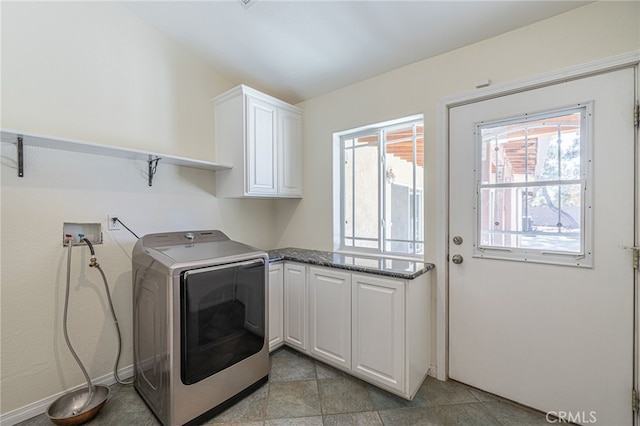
64,410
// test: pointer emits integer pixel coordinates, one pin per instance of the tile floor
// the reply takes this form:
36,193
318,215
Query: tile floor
306,392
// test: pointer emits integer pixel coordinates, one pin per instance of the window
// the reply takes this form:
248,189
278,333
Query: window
532,179
381,188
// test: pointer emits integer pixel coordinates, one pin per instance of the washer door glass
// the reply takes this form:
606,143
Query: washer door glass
222,317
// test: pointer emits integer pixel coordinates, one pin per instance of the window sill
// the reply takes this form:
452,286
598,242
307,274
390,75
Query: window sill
419,258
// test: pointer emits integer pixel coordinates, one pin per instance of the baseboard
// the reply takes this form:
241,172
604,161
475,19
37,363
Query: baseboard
433,372
39,407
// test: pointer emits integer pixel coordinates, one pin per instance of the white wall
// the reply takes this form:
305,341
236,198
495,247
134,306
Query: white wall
595,31
92,71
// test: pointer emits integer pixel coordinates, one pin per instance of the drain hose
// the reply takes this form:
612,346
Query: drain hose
115,321
95,264
66,334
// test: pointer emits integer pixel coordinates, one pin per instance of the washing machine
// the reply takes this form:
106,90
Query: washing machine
200,322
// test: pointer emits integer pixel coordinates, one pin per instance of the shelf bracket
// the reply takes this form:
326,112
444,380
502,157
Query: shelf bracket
153,165
20,157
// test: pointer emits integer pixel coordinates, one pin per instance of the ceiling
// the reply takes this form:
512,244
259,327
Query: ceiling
297,50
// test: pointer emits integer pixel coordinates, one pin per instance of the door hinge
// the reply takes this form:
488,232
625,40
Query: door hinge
636,114
635,400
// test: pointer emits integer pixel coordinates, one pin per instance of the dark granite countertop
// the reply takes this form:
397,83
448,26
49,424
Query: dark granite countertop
396,268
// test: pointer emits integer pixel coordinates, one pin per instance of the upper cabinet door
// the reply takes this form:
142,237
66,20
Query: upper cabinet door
261,147
290,153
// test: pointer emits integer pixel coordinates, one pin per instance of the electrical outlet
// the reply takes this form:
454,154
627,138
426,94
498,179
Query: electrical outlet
112,222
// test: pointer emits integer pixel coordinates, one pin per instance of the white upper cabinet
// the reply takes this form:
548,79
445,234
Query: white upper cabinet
290,153
261,137
261,147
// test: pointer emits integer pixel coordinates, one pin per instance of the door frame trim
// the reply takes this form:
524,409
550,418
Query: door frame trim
625,60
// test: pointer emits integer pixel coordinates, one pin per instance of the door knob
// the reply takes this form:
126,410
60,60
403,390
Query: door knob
457,259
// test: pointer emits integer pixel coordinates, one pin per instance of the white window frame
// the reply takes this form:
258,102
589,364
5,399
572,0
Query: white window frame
584,258
339,188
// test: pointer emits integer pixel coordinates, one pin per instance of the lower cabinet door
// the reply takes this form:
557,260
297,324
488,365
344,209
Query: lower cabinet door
330,316
295,305
378,350
276,300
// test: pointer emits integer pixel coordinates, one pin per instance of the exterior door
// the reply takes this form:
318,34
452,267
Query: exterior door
541,283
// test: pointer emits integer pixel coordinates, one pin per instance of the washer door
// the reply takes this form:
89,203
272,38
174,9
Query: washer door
223,317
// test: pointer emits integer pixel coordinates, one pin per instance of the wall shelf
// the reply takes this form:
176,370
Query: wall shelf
31,139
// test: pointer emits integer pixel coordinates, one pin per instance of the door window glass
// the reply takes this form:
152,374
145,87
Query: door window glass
532,179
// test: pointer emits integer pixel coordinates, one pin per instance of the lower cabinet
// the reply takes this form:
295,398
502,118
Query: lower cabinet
295,305
276,311
373,327
379,330
330,316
